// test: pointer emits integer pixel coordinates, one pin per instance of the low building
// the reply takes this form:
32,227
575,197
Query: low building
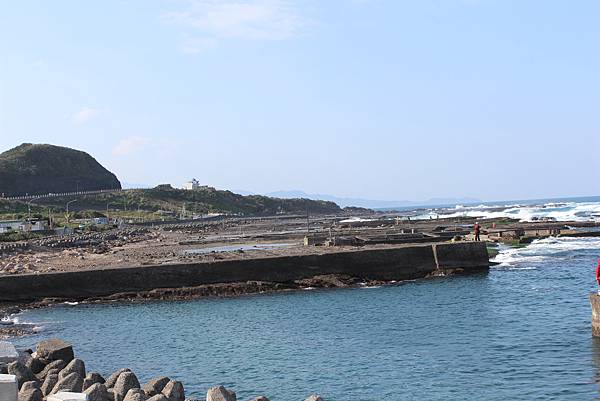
192,185
39,225
100,221
22,225
11,225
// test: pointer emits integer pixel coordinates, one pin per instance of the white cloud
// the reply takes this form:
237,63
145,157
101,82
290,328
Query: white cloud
130,145
84,115
212,21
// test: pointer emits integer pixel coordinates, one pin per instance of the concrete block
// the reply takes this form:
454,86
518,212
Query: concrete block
66,396
8,352
9,389
461,255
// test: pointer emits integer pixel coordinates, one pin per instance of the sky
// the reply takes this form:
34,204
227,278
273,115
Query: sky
379,99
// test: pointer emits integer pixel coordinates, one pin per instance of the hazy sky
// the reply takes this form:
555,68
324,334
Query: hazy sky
493,99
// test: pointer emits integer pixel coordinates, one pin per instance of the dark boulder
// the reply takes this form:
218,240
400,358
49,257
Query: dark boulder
54,349
174,391
23,373
261,398
220,393
54,365
155,386
75,366
97,392
112,379
31,394
30,385
35,364
49,383
158,397
71,383
125,382
135,394
92,378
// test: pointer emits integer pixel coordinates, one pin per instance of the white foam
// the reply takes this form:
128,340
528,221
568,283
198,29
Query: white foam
571,211
355,220
542,249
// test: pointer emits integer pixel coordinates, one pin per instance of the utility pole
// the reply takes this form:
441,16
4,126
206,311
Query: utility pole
307,222
107,218
29,206
68,203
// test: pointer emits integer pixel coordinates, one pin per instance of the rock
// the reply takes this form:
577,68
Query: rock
23,373
314,397
112,379
55,349
135,394
155,386
220,393
59,364
36,365
30,385
31,394
174,391
92,378
261,398
125,382
72,383
49,383
97,392
75,366
158,397
25,358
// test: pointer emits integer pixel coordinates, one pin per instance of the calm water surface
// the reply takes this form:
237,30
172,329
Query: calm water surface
520,332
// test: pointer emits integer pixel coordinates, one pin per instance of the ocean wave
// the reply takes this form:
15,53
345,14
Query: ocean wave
566,211
542,249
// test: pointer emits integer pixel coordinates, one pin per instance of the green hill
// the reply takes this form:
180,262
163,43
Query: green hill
41,169
204,200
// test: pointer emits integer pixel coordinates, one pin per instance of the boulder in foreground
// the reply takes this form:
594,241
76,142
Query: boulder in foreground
220,393
54,349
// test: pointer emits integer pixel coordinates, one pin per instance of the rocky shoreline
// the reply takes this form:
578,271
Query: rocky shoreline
53,370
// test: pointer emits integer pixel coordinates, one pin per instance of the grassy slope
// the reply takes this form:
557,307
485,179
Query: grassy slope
166,198
40,169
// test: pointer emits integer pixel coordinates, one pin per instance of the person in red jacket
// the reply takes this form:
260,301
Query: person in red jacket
477,230
598,276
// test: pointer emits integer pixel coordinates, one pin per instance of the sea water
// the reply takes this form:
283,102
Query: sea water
520,332
580,209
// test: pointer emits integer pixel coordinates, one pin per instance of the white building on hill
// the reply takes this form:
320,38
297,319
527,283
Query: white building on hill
192,185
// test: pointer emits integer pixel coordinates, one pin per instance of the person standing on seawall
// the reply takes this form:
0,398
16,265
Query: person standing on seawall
477,230
598,276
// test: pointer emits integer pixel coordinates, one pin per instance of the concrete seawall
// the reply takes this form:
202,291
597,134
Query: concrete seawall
398,263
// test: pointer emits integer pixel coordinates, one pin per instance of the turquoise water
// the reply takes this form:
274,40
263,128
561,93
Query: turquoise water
520,332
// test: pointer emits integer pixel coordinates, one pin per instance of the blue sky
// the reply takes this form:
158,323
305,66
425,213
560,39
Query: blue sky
493,99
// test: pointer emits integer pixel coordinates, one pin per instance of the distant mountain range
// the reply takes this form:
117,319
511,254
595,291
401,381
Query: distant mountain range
367,203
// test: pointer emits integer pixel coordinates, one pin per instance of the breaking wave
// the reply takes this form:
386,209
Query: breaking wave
569,211
542,249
